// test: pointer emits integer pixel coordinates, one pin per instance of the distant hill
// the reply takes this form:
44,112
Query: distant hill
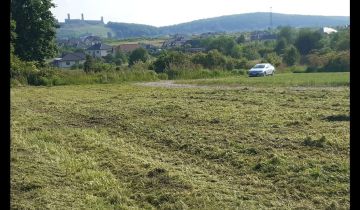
126,30
229,23
254,21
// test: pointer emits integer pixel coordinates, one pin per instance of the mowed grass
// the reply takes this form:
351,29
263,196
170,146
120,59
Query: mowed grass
127,146
284,79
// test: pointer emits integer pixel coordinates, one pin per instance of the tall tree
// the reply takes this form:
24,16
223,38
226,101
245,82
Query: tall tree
89,64
308,40
35,29
288,34
291,56
12,35
281,45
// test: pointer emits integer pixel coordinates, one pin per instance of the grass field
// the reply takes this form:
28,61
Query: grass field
113,146
284,79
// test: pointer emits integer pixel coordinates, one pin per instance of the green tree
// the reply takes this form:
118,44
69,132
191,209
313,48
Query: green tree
340,41
139,54
223,44
35,29
250,52
288,34
273,58
339,62
109,58
281,45
120,58
307,41
89,64
291,56
12,35
166,59
241,39
214,59
236,51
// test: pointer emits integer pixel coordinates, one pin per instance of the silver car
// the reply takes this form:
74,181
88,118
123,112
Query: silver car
262,69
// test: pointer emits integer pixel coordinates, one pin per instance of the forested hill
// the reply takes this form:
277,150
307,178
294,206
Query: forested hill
254,21
229,23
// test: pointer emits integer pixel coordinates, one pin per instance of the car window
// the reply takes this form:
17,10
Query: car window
258,66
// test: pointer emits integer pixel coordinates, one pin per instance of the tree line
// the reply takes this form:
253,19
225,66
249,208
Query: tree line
33,32
306,47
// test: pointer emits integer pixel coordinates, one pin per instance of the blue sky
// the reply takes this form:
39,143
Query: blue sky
169,12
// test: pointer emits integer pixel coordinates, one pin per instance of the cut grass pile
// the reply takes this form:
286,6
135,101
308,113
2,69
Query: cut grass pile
124,146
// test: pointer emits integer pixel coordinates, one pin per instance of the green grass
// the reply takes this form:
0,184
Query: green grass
81,29
70,77
122,146
79,77
155,42
285,79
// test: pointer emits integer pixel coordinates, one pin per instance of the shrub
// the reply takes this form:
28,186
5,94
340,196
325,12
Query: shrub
339,62
297,69
163,76
139,54
273,58
291,56
139,65
238,71
21,70
167,60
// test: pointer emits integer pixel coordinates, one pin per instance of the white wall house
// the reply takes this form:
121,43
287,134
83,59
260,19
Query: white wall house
99,50
69,60
328,30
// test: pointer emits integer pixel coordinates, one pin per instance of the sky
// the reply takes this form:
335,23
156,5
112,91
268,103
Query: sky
169,12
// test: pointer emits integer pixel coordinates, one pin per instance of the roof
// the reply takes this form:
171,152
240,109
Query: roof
127,47
328,30
100,46
74,57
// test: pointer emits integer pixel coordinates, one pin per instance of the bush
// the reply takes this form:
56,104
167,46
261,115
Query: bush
328,62
291,56
238,72
21,70
139,54
139,65
297,69
168,59
163,76
339,62
273,58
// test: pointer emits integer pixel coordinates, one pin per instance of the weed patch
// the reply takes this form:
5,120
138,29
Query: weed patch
321,142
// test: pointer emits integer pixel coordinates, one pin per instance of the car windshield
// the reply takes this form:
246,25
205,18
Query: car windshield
259,66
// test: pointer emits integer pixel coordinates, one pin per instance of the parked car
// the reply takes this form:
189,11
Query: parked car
262,69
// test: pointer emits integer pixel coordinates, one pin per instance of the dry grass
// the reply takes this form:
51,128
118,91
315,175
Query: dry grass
135,147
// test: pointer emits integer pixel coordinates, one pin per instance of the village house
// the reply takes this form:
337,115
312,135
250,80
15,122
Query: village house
99,50
69,60
262,36
176,41
327,30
